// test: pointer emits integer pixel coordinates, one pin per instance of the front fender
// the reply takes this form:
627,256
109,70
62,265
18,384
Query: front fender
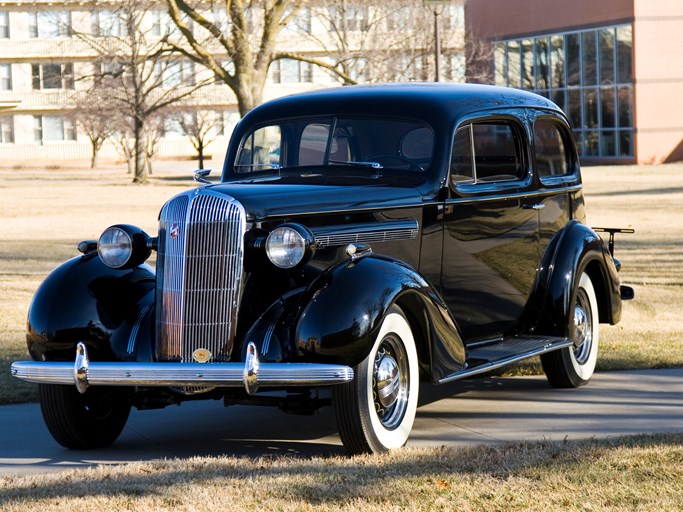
342,311
84,300
574,250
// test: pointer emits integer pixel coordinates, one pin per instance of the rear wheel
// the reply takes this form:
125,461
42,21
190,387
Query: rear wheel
83,421
573,366
375,412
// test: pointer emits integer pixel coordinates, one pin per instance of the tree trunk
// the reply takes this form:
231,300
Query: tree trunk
200,155
93,157
140,168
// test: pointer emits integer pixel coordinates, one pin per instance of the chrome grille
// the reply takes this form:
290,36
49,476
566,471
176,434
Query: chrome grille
199,271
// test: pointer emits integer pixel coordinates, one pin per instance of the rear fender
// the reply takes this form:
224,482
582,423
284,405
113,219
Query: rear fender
574,250
110,310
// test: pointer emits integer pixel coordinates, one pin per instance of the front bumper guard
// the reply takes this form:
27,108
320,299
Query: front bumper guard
251,374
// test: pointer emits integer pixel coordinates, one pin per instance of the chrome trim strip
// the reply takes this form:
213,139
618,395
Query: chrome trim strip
183,374
371,232
476,370
517,195
136,328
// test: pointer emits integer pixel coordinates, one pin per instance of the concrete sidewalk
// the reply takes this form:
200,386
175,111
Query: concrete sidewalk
486,410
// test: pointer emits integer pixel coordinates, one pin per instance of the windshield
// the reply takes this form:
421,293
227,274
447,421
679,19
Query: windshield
337,141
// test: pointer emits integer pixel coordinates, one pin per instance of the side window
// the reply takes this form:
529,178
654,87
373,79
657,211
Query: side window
260,151
496,152
551,156
485,153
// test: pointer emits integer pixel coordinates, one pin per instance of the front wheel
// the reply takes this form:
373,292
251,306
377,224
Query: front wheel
375,412
84,421
572,367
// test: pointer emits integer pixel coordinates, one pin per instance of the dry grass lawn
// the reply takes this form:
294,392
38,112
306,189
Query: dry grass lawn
44,214
641,473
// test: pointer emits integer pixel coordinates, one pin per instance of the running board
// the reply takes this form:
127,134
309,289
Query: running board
496,355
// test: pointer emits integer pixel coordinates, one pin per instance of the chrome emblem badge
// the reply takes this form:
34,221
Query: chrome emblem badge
201,355
175,230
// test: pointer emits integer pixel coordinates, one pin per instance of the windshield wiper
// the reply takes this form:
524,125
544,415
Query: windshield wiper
374,165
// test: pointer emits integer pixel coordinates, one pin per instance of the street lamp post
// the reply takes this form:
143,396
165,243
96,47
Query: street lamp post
437,7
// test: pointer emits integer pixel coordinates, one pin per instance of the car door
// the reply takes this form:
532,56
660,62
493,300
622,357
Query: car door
556,167
491,245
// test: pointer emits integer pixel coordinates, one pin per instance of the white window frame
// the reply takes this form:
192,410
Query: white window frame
6,129
5,77
49,24
44,129
66,76
4,25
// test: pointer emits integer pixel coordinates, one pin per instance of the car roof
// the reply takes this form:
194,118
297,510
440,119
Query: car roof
428,101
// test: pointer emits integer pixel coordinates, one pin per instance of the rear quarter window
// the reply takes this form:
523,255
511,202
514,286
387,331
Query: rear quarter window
550,149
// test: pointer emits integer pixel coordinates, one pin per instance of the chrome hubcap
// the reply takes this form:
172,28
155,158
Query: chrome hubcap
583,329
390,382
387,380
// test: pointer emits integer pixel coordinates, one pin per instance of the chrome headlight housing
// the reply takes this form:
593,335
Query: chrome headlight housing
123,246
290,245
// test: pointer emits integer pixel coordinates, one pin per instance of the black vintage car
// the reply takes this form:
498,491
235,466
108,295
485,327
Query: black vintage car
360,239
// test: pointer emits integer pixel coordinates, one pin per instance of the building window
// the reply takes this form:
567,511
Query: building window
6,129
163,24
112,74
49,24
53,128
350,18
587,73
225,122
228,66
5,77
4,25
301,23
175,74
290,71
108,24
52,76
174,124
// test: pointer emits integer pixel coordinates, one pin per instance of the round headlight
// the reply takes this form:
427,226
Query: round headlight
123,246
288,245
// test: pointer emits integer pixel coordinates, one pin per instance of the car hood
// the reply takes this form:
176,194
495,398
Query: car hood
264,199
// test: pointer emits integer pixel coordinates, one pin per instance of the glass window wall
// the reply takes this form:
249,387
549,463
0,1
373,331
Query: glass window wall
588,73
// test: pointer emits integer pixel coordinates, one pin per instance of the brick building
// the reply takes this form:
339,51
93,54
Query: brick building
614,66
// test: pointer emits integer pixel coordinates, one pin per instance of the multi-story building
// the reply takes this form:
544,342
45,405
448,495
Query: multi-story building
47,63
613,65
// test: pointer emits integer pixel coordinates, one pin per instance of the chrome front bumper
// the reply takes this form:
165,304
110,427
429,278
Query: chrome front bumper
251,374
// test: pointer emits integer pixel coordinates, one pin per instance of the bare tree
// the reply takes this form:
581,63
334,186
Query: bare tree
360,41
139,77
122,137
234,39
392,40
200,127
94,115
